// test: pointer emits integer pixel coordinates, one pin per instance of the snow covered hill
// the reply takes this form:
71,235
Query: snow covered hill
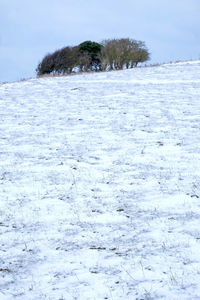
100,186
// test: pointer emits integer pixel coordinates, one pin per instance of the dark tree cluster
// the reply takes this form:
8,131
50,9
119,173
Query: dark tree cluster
112,54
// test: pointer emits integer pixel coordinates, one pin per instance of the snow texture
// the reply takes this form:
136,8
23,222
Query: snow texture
100,185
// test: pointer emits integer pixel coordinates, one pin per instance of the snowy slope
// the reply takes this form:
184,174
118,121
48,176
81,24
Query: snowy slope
100,186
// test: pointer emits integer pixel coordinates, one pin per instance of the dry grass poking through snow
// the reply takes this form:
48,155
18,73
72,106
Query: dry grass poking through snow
99,186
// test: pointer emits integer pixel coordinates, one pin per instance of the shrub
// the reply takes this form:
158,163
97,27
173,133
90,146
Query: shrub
112,54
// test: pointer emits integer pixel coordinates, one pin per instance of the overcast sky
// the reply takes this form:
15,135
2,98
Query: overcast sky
29,29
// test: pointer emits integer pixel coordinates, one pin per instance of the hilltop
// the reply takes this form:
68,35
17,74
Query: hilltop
99,177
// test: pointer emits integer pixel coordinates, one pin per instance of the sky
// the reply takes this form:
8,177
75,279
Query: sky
31,29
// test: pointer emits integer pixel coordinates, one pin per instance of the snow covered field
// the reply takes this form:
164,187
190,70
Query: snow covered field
100,186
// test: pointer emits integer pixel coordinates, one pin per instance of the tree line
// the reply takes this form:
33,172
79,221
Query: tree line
111,54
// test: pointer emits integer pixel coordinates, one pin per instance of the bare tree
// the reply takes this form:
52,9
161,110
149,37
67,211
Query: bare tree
119,53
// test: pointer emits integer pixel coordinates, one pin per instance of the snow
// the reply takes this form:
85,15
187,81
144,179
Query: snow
99,185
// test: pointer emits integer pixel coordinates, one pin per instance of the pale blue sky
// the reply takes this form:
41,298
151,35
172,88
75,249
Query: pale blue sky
31,29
